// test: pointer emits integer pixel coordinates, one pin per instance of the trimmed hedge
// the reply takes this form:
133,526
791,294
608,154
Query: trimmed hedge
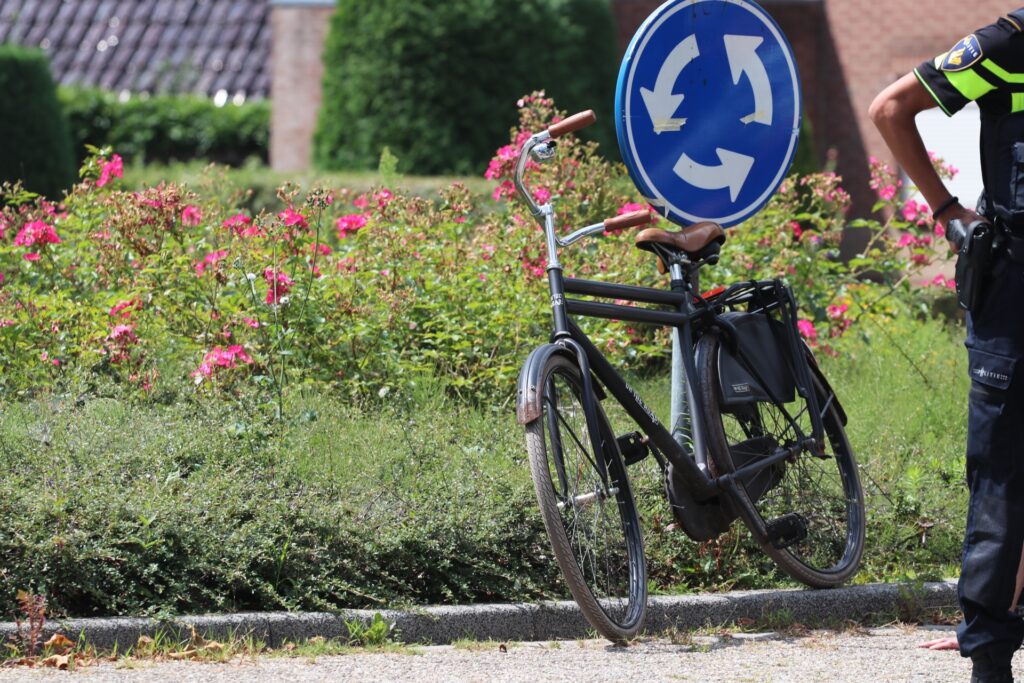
37,149
164,128
435,82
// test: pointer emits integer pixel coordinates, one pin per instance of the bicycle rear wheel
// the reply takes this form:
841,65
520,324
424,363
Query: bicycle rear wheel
594,527
813,506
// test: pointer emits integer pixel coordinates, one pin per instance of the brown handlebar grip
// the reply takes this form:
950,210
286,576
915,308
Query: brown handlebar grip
573,123
628,220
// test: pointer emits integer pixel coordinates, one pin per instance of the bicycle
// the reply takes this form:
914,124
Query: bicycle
757,431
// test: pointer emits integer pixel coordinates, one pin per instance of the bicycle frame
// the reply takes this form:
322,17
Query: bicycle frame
689,457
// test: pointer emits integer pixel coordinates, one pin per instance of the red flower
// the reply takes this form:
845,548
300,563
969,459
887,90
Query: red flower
383,198
36,232
221,358
210,261
191,215
293,218
279,285
350,224
124,308
110,169
241,225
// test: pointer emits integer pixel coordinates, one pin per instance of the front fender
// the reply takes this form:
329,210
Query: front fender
529,401
530,394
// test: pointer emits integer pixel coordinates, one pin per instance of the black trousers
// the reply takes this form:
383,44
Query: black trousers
995,467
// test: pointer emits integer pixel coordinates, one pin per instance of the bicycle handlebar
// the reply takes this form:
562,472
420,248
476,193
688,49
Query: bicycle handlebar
571,124
629,220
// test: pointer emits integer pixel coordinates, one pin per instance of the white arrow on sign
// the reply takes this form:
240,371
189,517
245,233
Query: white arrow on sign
742,53
661,103
731,173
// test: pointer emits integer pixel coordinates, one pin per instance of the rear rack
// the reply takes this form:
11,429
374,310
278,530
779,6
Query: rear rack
753,296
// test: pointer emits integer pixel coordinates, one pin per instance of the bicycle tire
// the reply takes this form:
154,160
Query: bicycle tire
598,545
825,492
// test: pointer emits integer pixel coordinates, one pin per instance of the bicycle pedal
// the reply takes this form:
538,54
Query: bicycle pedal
633,447
786,530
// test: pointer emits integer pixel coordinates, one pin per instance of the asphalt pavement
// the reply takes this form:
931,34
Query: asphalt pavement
851,655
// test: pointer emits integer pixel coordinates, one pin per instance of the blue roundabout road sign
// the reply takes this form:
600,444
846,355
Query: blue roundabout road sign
708,109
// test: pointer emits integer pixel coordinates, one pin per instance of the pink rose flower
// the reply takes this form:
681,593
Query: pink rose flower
210,261
350,224
807,329
279,285
35,233
110,169
191,216
293,219
241,225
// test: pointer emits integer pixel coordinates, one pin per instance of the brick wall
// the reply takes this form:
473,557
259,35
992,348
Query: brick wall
299,28
874,48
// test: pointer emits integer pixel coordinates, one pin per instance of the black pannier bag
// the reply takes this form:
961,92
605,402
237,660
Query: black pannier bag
762,345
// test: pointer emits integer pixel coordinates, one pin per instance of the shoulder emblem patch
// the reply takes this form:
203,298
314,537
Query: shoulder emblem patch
964,55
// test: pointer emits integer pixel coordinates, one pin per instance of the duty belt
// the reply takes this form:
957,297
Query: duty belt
1012,245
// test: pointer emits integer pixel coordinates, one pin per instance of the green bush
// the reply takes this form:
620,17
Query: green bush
256,185
112,508
435,81
122,507
36,146
164,128
805,160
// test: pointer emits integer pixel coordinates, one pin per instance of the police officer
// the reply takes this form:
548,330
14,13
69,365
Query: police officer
986,67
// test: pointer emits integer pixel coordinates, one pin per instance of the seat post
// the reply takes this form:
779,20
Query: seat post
680,416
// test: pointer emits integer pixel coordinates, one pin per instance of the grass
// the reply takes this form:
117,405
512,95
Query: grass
117,507
163,646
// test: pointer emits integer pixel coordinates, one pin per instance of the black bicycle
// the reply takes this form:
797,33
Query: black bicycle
756,430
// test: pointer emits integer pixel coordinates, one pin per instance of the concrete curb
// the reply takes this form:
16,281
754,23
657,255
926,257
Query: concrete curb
529,622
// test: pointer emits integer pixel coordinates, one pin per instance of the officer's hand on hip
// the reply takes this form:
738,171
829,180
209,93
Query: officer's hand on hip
957,212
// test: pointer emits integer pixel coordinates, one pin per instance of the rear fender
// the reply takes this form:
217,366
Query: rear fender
816,371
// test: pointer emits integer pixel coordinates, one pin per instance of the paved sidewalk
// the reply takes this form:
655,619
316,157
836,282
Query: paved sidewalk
882,655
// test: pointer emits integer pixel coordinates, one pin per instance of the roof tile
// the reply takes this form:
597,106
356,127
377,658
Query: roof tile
149,45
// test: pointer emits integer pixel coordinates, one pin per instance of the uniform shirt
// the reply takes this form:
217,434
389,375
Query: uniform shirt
986,67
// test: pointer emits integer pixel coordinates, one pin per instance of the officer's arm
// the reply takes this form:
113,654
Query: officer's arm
893,113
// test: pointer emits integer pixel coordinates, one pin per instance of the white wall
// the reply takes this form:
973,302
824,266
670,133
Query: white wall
955,139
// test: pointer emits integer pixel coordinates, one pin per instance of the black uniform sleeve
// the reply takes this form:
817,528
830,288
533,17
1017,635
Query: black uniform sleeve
964,73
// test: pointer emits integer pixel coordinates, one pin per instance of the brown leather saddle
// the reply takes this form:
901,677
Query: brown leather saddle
698,242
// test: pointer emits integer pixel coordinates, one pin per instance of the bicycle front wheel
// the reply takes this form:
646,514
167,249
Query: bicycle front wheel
812,505
592,523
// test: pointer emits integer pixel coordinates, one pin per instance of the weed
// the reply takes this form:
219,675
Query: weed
377,633
33,611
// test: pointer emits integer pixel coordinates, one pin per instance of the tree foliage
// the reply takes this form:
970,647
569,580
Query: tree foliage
435,82
37,148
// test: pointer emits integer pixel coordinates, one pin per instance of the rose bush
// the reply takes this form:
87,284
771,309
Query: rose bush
365,294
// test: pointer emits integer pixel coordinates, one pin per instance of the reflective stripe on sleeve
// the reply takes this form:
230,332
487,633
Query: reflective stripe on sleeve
968,83
1002,73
